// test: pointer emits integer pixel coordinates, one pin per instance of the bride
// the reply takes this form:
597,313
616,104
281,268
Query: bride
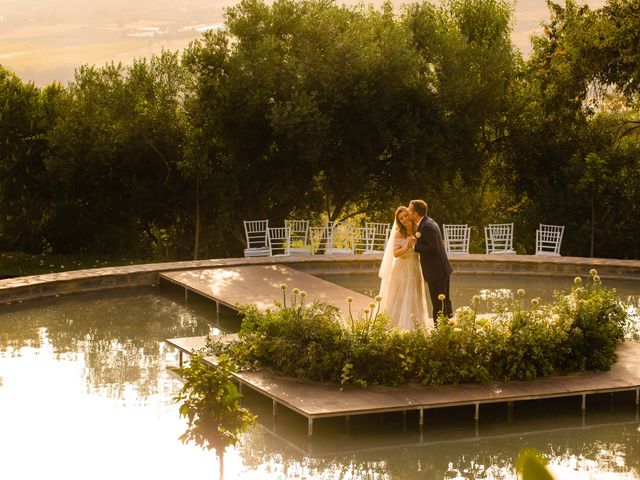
402,287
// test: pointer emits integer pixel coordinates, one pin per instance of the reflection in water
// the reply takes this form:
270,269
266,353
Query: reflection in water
86,385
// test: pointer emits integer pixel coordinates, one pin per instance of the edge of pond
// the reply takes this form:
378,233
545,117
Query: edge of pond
132,276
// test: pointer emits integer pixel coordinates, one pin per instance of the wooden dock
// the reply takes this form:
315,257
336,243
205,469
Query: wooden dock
260,285
316,400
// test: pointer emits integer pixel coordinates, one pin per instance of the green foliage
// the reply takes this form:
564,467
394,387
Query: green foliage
209,400
530,465
322,111
597,323
580,330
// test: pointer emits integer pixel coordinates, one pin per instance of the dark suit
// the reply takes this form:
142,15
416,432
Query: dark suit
436,269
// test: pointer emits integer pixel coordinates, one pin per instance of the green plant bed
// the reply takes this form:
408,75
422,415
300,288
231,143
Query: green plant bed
579,330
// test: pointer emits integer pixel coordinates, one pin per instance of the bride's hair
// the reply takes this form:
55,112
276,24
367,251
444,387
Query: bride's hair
401,228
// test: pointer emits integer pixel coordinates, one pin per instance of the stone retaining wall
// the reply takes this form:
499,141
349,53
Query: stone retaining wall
40,286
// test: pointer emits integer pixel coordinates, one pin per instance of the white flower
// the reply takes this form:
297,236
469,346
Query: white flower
441,297
520,292
283,286
534,302
476,298
593,271
577,281
296,291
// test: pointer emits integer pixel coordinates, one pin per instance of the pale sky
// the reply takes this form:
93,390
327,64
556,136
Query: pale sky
46,40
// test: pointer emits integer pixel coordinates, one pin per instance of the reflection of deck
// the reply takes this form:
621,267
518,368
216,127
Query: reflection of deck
320,400
260,285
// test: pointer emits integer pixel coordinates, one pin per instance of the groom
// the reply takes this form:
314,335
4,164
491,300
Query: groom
436,269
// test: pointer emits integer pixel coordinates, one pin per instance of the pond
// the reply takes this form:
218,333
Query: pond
85,392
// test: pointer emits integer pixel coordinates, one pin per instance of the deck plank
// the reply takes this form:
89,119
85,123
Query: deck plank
317,399
260,285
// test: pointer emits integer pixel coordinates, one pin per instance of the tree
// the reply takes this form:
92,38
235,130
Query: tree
24,186
113,158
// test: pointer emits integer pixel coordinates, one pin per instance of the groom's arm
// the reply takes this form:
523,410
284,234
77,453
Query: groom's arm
428,241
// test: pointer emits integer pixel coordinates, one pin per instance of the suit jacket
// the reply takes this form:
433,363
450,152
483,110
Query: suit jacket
433,257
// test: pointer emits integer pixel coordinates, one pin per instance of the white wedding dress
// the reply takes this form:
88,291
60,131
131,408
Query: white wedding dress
402,287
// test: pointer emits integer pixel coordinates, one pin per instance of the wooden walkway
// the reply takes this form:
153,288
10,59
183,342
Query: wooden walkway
260,284
320,400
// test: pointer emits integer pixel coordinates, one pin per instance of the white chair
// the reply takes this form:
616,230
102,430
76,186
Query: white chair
339,238
498,238
376,237
318,239
279,241
549,239
298,237
456,238
257,235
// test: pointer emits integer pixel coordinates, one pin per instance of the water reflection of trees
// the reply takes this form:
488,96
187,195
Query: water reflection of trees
602,449
120,337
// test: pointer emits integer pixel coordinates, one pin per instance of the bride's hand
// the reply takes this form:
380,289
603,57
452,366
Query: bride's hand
411,241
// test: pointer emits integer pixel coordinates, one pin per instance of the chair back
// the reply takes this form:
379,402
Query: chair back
257,236
456,238
499,238
376,236
279,241
318,237
549,239
298,236
339,238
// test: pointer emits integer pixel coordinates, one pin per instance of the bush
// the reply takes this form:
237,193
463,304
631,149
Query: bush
596,319
580,330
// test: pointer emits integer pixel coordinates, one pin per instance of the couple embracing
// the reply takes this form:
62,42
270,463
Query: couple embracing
414,255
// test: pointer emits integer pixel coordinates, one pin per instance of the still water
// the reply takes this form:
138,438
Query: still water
86,384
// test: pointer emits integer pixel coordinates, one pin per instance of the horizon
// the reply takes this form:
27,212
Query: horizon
45,41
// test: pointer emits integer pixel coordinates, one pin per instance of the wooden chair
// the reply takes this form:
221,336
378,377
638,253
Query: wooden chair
339,238
279,241
549,239
498,238
376,236
318,239
257,236
298,237
456,238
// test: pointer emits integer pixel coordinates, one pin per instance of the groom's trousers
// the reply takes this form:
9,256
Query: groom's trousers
436,287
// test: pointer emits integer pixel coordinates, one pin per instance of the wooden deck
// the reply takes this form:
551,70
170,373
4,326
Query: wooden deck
260,284
320,400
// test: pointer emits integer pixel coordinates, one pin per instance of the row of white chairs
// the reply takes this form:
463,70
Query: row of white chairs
297,237
498,238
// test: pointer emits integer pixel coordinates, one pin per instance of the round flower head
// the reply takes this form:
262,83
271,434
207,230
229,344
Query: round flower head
303,293
535,302
441,297
372,305
596,279
476,299
283,286
577,281
593,271
366,311
296,291
520,292
349,299
378,298
452,321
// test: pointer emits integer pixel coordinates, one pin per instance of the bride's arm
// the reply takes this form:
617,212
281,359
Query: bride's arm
400,247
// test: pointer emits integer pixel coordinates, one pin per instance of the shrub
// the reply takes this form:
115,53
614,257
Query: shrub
596,319
580,330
